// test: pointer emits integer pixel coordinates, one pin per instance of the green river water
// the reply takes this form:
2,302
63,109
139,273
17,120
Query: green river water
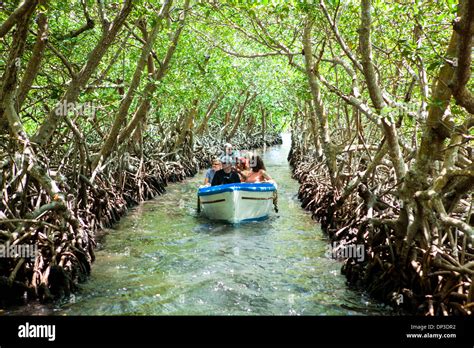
163,259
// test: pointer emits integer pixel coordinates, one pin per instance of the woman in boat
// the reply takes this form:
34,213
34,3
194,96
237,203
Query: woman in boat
227,175
216,165
257,171
242,168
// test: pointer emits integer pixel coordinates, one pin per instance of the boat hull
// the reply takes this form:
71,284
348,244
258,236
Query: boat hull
237,202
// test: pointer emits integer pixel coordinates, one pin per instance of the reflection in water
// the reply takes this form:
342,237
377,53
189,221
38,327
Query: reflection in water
164,259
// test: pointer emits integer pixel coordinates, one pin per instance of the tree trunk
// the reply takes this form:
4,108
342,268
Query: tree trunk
122,112
150,88
210,111
240,113
35,60
315,130
328,147
375,91
49,125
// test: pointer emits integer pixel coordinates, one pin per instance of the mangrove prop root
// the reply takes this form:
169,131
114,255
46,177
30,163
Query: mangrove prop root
65,236
432,283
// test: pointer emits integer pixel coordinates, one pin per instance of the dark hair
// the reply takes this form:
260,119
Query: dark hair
257,163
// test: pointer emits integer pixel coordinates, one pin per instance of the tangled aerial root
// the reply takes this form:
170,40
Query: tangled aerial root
434,283
63,233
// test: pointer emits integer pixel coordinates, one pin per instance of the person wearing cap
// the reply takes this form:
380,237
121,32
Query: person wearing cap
216,165
226,175
230,152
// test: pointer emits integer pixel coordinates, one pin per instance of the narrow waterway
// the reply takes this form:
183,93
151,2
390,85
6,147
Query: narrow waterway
163,259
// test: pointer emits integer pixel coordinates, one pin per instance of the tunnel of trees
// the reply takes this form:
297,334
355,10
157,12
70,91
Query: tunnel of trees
102,103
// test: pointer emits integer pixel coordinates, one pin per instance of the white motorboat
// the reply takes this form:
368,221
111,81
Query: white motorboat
237,202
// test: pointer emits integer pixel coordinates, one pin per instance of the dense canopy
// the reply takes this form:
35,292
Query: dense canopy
102,103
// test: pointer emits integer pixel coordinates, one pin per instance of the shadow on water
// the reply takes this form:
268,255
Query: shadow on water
164,259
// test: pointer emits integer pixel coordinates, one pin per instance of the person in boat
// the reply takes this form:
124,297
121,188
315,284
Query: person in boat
216,165
246,156
227,175
242,168
257,171
230,152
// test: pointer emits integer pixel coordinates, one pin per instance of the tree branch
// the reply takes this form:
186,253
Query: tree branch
24,7
35,60
462,73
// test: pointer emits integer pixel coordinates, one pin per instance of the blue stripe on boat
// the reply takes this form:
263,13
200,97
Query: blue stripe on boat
245,186
255,219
